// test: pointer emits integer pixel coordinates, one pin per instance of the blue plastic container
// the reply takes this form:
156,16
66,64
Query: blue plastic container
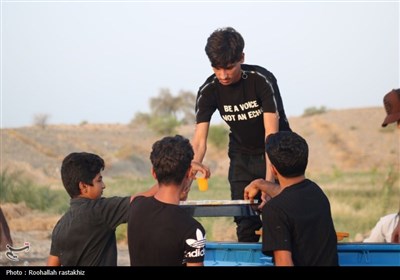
235,254
369,254
350,254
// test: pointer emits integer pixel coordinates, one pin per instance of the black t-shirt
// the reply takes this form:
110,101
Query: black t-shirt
270,78
241,106
161,234
299,220
85,234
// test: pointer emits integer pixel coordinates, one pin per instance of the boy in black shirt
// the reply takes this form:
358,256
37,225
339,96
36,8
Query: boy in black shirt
248,100
85,234
160,233
297,223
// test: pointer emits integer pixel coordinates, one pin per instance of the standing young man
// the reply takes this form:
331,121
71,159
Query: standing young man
248,100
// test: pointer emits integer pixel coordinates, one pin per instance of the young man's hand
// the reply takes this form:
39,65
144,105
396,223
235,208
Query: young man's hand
264,199
268,189
251,190
199,167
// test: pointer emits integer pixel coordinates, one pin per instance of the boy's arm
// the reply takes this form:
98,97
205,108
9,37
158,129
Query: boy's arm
283,258
271,189
199,141
53,261
196,167
376,234
150,192
199,167
271,126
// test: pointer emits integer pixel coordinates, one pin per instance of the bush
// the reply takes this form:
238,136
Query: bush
14,188
314,111
141,118
218,135
164,125
121,233
41,120
167,112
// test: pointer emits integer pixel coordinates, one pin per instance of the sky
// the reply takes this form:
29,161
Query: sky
102,61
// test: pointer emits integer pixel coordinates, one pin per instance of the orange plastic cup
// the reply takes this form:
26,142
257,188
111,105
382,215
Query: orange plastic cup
202,183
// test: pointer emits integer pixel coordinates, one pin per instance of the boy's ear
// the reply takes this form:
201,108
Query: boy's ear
153,173
185,189
274,171
82,187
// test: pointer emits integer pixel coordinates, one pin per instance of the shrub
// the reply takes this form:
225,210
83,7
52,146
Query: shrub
314,111
160,124
141,118
164,125
14,188
41,120
218,135
121,233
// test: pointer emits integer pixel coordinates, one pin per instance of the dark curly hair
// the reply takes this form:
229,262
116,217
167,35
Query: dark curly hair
288,152
171,158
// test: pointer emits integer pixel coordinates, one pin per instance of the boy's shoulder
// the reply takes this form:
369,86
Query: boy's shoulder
210,81
293,190
257,68
92,205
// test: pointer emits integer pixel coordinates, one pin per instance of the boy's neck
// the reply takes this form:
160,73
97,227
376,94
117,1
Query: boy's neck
285,182
169,194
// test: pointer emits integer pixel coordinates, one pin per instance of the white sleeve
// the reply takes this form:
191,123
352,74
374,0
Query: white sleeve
383,229
376,233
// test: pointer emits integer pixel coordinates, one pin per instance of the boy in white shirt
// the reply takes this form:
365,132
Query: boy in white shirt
382,232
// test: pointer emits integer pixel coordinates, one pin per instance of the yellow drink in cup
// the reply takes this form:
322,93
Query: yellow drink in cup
202,183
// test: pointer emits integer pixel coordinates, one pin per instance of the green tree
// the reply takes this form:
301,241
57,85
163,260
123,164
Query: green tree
187,101
164,104
168,111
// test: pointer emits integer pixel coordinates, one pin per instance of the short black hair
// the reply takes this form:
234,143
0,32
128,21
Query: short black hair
288,152
171,158
80,167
